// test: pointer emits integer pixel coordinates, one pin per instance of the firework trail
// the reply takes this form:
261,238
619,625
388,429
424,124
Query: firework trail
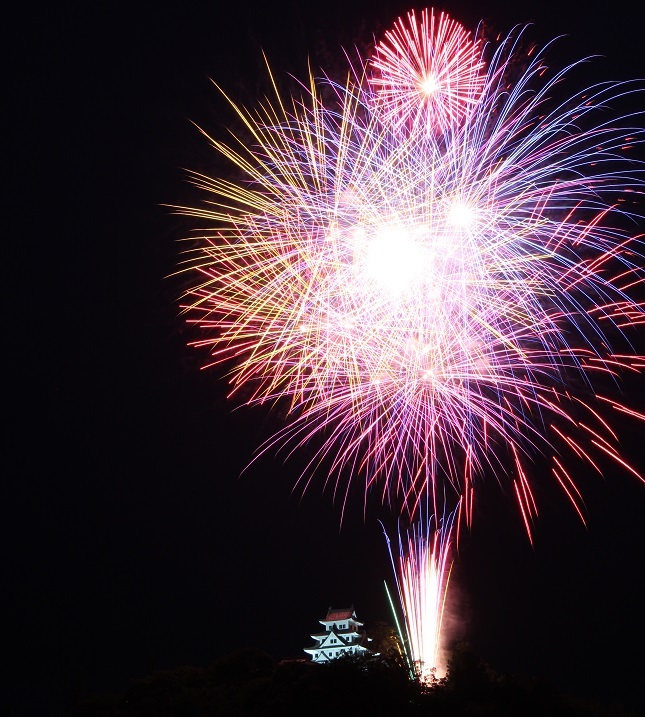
422,573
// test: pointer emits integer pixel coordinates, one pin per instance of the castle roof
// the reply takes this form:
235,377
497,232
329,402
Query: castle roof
339,614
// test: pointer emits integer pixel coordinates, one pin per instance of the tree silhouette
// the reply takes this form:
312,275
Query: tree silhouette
251,683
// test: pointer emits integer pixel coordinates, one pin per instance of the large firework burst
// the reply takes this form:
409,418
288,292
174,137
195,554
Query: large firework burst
433,305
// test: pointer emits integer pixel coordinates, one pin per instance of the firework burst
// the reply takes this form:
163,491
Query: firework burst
428,73
433,307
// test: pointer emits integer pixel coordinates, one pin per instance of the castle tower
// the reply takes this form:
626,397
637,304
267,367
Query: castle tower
343,634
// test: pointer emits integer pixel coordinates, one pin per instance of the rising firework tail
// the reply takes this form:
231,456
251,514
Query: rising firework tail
421,571
402,646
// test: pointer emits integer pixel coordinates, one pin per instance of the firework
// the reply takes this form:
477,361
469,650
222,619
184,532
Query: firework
428,73
433,306
422,573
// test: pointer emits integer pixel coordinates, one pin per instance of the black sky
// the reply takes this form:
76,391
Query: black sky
132,543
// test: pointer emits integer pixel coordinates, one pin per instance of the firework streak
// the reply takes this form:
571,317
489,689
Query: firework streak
435,265
422,573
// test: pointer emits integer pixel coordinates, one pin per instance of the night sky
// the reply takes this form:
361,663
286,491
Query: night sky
133,541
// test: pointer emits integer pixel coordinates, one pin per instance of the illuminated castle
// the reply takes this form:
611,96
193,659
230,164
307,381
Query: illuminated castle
343,635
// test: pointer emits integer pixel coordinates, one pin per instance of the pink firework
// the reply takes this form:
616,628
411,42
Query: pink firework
428,73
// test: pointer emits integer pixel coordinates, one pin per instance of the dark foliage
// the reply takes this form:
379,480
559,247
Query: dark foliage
250,683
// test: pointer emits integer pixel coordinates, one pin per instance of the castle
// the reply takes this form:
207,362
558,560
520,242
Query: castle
343,635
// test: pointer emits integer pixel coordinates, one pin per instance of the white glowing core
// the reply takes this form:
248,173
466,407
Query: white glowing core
461,215
429,85
394,259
